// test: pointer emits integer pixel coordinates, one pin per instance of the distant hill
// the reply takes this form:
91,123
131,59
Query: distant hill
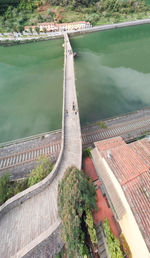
5,3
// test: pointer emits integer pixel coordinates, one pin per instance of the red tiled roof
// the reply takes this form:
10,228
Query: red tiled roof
142,148
130,164
137,193
125,163
109,144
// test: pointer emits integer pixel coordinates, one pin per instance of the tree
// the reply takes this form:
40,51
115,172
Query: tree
76,194
30,29
42,170
20,28
44,30
37,29
4,187
92,18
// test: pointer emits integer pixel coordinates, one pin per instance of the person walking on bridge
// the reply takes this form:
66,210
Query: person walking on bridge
73,106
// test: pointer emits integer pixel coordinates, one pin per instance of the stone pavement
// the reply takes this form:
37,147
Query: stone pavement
27,224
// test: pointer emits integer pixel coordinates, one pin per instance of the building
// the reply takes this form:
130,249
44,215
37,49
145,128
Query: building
73,26
27,28
125,172
51,26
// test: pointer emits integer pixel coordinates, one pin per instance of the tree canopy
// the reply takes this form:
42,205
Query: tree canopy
76,194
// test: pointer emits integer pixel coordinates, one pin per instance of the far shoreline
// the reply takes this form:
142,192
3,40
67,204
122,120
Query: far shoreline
41,37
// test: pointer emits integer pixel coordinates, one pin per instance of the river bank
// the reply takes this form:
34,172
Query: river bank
10,39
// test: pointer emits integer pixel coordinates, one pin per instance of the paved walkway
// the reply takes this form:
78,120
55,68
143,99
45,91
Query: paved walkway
26,223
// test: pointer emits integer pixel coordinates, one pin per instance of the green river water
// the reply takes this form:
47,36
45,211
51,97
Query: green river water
112,77
112,72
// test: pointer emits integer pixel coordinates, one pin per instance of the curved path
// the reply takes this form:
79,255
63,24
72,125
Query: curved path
31,217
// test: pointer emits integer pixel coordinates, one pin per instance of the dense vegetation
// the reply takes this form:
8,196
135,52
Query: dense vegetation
4,4
112,242
9,189
15,14
76,197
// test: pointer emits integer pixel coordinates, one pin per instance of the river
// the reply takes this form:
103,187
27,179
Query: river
31,79
112,72
112,77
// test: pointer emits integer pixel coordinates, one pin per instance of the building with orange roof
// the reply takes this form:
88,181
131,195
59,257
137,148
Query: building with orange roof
51,26
27,28
125,172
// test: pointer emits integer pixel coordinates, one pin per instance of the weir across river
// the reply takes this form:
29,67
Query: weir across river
29,220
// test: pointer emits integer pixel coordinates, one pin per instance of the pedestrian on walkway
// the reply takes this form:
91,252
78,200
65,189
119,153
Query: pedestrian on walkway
73,106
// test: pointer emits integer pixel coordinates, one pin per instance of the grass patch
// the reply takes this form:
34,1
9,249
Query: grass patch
101,124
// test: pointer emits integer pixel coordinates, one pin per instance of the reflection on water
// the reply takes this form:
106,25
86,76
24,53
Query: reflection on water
112,77
113,72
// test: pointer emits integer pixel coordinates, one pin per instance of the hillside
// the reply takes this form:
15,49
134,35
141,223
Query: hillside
15,14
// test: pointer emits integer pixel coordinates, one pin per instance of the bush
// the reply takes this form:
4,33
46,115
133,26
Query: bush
92,18
86,153
20,186
76,194
9,189
101,124
4,188
90,226
125,246
42,170
112,242
37,29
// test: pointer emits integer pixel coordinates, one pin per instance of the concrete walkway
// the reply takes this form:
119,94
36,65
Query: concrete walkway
25,226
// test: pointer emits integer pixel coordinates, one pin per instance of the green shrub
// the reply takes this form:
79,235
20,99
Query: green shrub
60,254
90,226
101,124
37,29
4,188
125,246
112,241
92,18
76,193
20,186
42,170
86,153
9,189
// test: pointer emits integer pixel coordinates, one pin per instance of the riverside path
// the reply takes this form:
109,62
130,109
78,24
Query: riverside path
29,219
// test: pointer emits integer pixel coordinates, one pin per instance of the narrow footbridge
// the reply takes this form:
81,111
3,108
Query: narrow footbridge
29,219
